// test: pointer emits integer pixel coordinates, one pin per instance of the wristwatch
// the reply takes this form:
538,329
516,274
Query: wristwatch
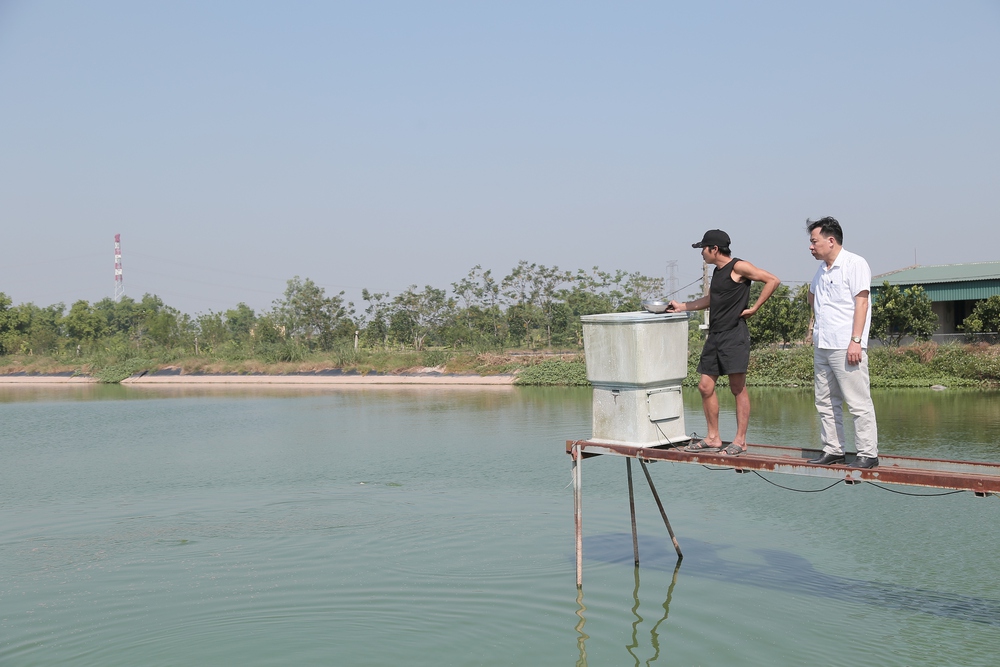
856,339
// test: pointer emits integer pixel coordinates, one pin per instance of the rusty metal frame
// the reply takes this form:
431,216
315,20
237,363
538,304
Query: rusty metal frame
983,479
980,478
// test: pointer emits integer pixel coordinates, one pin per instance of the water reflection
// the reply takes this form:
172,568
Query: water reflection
790,573
582,637
654,632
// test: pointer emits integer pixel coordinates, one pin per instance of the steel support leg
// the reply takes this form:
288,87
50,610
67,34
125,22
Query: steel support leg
631,508
578,511
666,521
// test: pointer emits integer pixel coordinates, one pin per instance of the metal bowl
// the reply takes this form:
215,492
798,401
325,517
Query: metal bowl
656,306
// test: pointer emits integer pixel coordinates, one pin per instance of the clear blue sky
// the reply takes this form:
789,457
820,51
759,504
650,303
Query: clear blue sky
378,144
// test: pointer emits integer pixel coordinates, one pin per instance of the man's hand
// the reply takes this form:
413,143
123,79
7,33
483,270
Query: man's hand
854,353
675,306
749,312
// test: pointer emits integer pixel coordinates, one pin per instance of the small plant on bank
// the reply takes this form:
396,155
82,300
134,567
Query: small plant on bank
122,370
555,372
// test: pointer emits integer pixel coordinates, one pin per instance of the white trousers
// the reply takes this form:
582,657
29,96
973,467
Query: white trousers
837,382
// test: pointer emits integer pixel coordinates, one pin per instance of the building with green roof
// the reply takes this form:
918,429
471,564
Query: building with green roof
954,289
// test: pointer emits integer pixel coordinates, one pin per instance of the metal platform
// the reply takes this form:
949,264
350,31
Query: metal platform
982,479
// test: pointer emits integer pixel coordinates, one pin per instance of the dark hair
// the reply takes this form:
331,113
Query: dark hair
724,249
827,227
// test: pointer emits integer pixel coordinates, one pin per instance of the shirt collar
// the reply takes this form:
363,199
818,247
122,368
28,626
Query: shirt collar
837,262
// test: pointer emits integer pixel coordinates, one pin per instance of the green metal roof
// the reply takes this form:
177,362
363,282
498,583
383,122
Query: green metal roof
943,273
948,282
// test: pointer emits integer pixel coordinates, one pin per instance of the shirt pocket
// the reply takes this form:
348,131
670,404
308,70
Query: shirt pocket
838,287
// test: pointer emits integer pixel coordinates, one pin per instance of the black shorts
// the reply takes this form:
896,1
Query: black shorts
726,352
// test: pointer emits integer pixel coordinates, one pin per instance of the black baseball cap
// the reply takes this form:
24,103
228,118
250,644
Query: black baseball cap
711,238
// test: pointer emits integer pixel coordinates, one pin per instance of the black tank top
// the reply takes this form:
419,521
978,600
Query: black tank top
728,299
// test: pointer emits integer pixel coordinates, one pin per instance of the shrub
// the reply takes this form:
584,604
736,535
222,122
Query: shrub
436,357
116,372
555,372
985,317
279,352
897,313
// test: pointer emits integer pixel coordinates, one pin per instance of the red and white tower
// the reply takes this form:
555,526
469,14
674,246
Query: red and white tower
119,285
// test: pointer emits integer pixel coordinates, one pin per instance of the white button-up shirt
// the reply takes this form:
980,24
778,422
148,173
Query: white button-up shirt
834,289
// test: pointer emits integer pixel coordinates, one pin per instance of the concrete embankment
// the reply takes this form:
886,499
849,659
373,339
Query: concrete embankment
318,379
46,379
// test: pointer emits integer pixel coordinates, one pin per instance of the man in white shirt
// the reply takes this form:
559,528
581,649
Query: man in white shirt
839,297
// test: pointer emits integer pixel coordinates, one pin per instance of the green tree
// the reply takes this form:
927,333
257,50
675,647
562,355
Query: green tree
533,290
14,323
125,317
375,329
588,294
240,322
782,319
985,317
211,331
309,315
421,314
522,292
27,328
480,318
82,324
898,313
638,288
599,291
163,325
45,328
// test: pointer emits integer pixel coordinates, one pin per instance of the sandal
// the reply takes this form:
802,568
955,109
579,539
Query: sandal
732,450
700,445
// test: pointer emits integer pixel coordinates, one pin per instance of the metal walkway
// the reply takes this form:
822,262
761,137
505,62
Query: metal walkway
982,479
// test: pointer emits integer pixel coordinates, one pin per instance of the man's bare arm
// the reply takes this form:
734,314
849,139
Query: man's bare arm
771,282
697,304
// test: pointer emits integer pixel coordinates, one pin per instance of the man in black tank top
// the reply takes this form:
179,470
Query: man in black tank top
727,348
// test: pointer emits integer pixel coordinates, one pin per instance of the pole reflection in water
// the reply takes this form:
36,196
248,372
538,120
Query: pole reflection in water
581,640
654,632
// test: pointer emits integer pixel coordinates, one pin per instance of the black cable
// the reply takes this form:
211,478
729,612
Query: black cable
919,495
714,469
685,287
788,488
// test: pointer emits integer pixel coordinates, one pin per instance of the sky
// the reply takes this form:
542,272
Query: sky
234,145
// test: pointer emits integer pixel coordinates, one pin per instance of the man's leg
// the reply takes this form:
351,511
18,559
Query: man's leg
829,400
710,404
856,388
738,385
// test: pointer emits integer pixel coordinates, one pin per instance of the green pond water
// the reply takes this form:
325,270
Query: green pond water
435,527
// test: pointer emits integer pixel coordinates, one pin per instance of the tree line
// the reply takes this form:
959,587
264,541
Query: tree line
533,306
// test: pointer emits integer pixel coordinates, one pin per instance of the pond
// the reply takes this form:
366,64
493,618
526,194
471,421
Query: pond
434,526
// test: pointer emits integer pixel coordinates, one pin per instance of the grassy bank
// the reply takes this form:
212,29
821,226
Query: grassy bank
920,365
531,368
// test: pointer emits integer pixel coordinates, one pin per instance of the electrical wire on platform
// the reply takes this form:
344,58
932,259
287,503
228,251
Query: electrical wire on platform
788,488
916,495
839,481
